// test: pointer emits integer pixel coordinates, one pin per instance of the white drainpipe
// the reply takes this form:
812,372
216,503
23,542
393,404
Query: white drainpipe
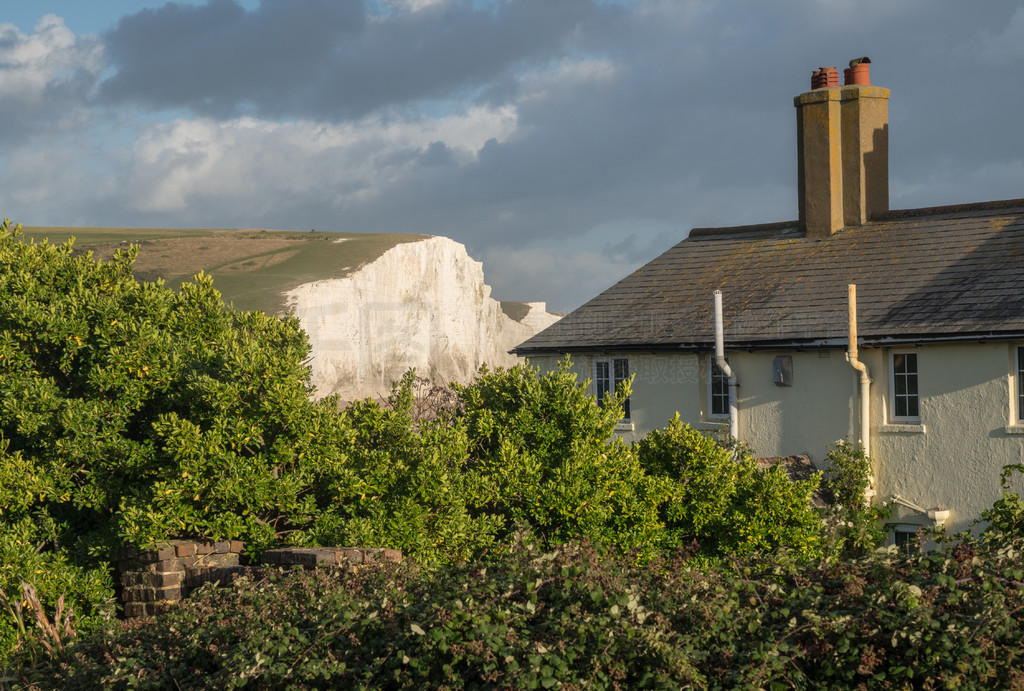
734,422
865,378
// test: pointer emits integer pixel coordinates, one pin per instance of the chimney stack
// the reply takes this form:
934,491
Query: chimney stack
842,150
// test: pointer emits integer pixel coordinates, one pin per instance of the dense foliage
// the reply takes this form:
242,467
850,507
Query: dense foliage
722,503
130,413
577,619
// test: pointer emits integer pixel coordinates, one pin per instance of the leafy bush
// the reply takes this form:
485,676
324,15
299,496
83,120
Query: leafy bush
723,502
545,457
579,619
131,413
407,485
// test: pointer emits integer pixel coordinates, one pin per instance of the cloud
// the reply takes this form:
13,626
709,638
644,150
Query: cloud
1005,45
573,138
190,167
327,59
46,79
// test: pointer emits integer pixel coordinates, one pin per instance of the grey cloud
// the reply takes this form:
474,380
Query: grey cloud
692,126
326,59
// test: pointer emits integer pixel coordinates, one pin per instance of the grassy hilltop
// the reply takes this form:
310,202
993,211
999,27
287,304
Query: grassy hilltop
251,267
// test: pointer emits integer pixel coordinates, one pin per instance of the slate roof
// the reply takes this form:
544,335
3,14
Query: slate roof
939,273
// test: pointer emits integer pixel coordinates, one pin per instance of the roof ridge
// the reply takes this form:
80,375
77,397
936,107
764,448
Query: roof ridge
757,228
953,208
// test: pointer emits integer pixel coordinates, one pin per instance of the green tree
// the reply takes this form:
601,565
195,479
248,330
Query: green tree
546,459
728,505
130,413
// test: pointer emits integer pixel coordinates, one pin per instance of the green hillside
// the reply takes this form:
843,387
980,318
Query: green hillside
251,268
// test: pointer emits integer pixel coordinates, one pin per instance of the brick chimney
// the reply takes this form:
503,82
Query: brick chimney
842,150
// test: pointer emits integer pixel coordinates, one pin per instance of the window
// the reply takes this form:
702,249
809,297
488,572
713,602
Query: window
903,385
907,539
718,390
1020,385
608,374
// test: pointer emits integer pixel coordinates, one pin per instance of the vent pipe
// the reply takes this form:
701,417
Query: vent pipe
734,423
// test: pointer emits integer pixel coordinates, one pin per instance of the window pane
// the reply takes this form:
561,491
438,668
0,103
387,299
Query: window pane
898,363
621,375
601,381
912,410
719,390
621,370
605,383
901,407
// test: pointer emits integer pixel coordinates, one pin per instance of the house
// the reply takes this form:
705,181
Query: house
933,299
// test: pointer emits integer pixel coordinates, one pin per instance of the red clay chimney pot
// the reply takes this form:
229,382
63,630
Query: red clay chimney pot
859,72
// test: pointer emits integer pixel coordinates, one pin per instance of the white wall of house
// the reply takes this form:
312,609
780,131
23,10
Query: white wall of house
968,427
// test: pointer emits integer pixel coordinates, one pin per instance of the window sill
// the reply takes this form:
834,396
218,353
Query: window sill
712,425
1014,429
624,426
902,428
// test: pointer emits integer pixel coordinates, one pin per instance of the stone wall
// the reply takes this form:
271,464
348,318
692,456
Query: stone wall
156,580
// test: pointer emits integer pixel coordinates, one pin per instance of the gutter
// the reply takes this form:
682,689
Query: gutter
865,378
757,346
734,422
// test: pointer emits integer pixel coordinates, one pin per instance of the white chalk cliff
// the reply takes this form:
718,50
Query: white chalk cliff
421,304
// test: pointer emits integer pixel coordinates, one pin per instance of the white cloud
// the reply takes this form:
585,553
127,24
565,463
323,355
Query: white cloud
30,64
186,161
413,5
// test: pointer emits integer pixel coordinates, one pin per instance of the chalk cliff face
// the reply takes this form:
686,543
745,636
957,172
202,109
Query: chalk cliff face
421,304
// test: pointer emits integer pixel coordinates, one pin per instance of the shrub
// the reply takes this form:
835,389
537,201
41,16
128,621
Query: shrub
576,618
723,502
130,413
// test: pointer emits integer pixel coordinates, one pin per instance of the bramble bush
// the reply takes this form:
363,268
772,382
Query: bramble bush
579,618
1005,520
853,525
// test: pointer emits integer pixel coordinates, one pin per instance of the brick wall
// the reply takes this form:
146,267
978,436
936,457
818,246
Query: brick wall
155,580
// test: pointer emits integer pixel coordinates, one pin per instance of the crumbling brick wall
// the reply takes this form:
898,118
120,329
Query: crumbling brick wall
155,580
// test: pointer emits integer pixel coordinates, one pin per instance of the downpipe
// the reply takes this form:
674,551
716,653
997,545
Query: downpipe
734,423
865,378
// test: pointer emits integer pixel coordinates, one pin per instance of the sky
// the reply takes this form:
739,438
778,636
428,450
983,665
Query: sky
564,142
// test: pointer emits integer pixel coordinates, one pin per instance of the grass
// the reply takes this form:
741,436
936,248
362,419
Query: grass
252,268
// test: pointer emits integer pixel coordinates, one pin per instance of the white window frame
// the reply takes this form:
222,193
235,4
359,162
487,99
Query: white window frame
711,377
607,381
894,378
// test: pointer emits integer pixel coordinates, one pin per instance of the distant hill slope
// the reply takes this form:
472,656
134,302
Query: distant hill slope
374,305
252,268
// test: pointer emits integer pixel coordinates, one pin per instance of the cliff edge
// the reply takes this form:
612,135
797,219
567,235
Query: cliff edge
421,304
